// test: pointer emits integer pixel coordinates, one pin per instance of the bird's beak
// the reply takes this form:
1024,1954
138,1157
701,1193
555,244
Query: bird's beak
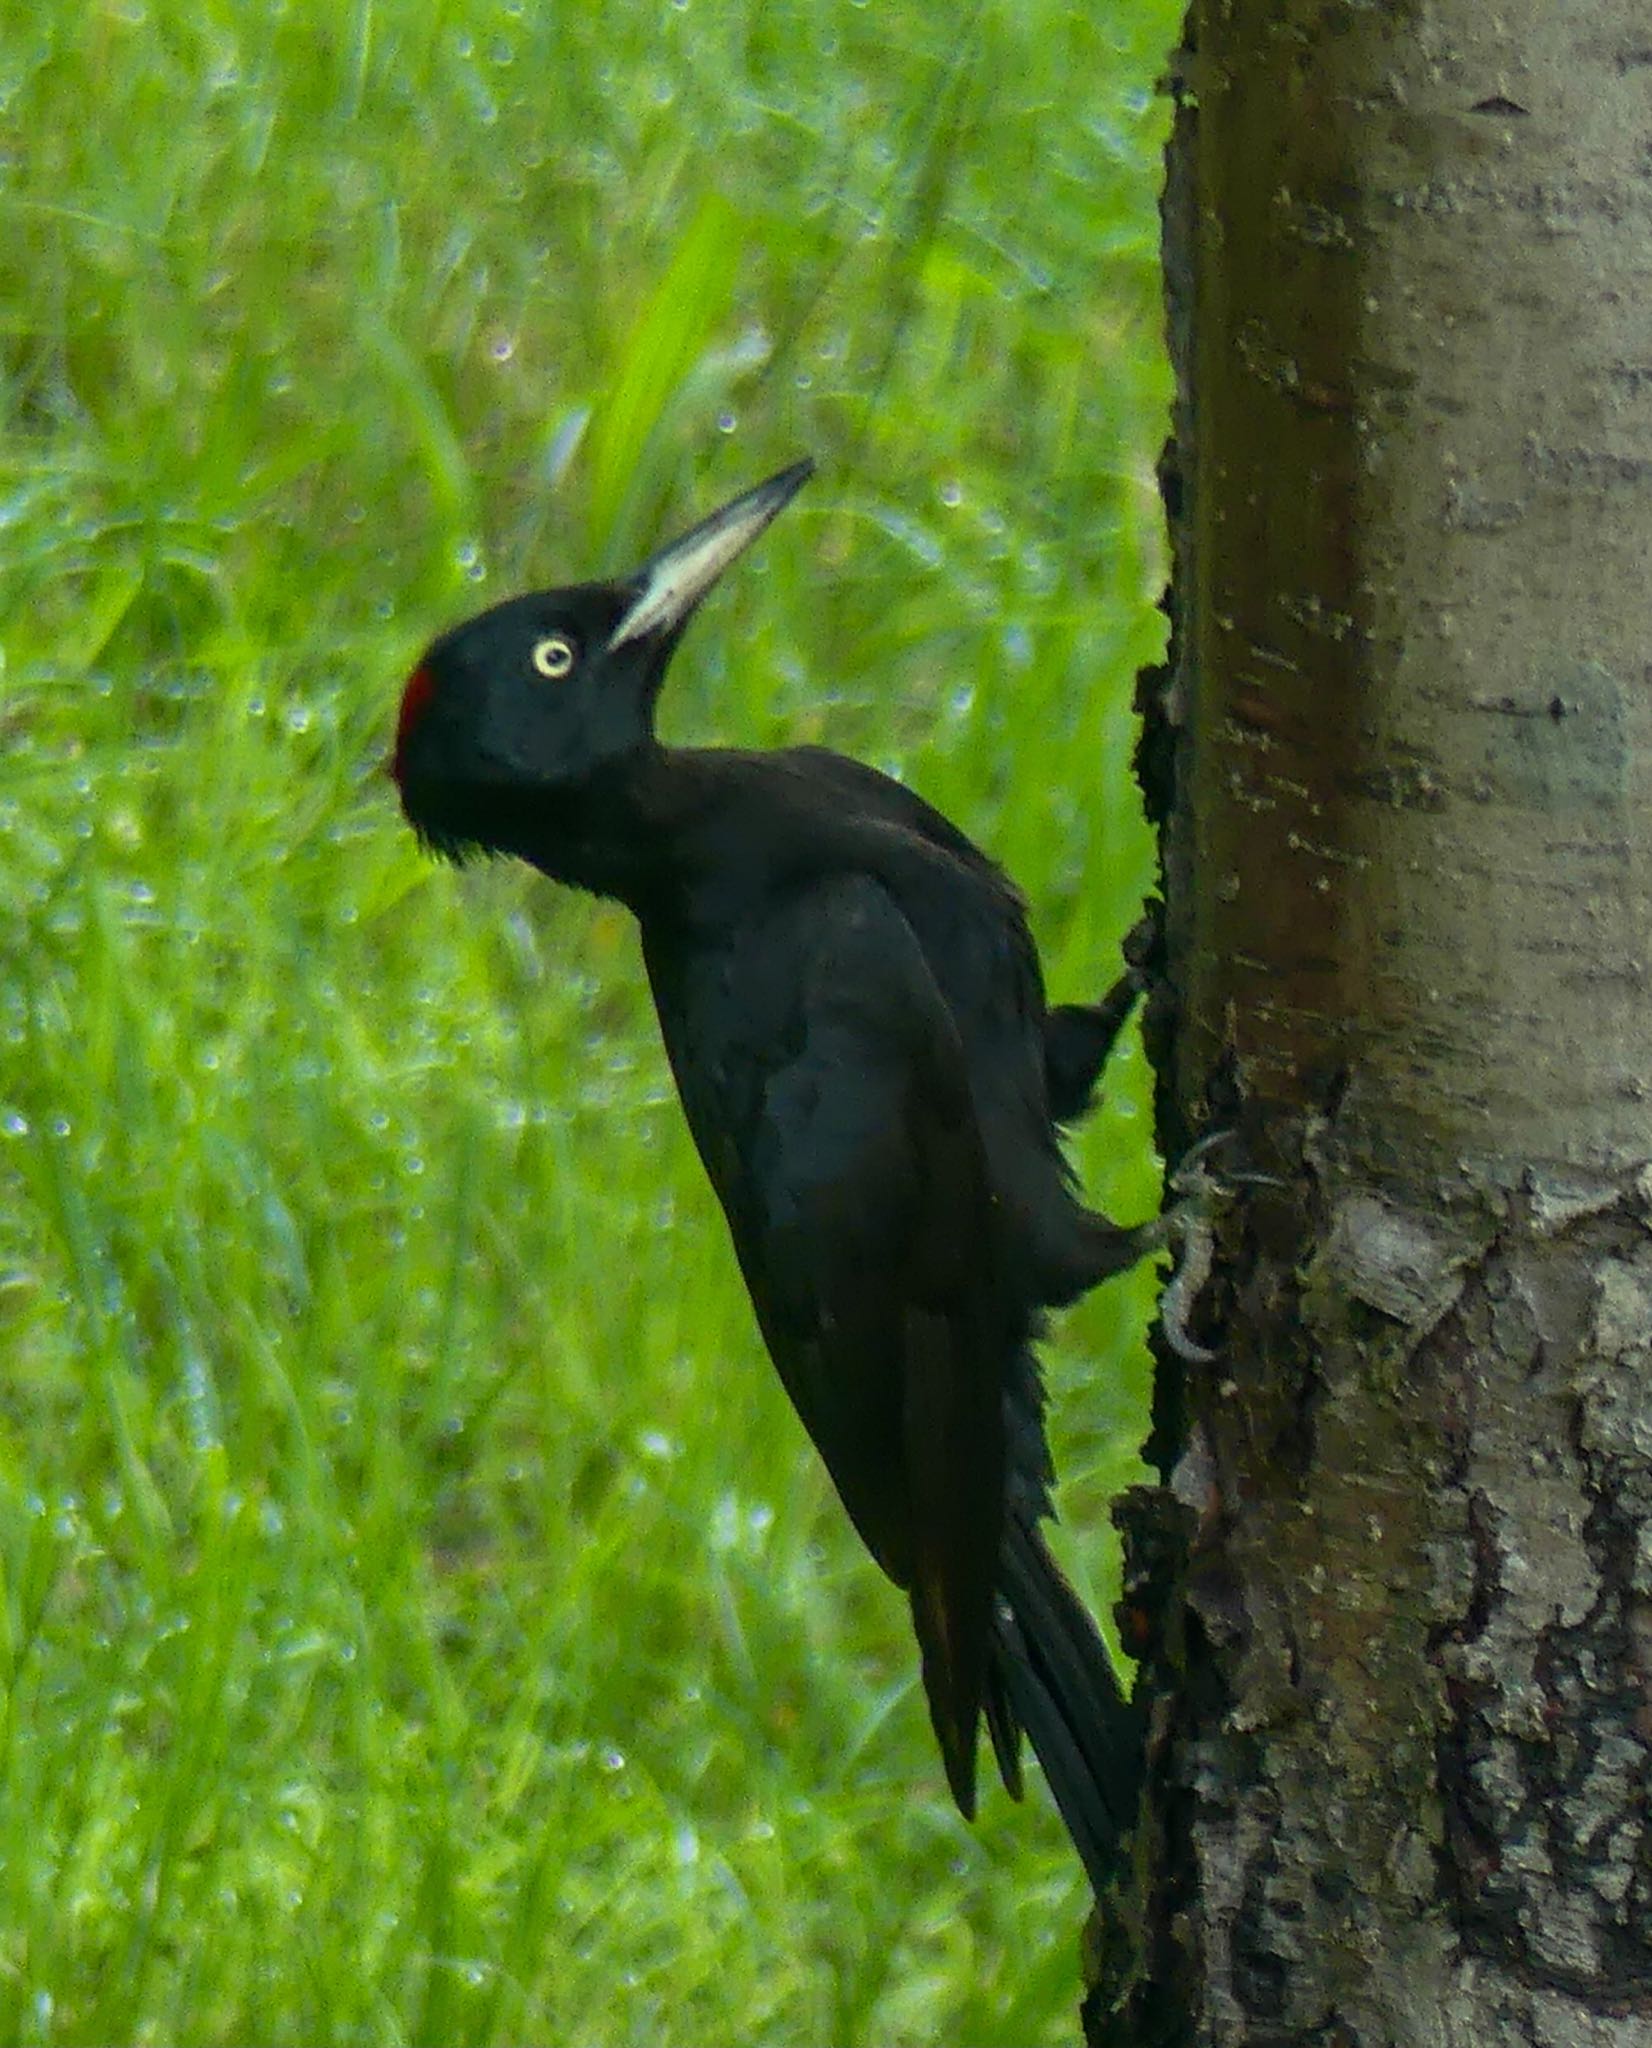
670,584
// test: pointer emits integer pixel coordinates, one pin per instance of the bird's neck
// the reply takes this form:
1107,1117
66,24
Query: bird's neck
620,832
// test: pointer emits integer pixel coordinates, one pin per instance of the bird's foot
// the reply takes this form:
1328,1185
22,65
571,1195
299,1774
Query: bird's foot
1199,1194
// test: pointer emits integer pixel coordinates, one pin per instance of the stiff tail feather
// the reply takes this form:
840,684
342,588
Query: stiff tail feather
1051,1676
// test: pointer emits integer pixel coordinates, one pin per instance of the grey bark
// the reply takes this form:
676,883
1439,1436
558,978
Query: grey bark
1395,1600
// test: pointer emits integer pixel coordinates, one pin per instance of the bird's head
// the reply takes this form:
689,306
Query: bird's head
542,693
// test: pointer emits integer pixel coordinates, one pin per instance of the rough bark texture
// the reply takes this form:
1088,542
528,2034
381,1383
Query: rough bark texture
1396,1599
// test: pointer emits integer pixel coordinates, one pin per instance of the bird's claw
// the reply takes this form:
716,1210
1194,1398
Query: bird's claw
1188,1229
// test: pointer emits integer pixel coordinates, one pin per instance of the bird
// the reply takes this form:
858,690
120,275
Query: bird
853,1008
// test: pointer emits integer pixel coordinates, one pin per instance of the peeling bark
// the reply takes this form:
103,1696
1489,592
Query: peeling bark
1394,1599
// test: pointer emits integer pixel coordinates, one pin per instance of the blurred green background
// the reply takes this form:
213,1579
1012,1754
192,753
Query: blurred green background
423,1619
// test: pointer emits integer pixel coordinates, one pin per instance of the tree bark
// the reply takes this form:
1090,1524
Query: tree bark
1395,1598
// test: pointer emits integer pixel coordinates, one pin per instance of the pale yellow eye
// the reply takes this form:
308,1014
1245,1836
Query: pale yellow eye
553,656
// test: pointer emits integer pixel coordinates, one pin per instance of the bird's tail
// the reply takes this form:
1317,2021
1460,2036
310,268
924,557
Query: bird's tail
1050,1674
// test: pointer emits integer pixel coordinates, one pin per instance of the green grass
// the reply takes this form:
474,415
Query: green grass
423,1620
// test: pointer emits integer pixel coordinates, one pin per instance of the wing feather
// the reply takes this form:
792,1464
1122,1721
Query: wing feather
857,1192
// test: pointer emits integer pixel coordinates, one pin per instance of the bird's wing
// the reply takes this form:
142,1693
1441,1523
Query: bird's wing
858,1196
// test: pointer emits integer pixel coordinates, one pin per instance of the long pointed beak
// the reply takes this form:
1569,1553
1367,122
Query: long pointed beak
671,583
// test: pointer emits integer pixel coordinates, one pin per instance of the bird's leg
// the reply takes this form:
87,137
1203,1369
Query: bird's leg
1078,1037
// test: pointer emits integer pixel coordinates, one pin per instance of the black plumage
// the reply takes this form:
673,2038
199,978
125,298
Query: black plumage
853,1009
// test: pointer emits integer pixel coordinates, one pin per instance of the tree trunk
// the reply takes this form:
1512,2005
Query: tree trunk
1395,1601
